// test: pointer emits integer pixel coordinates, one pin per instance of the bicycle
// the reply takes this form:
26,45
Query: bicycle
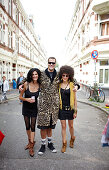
95,94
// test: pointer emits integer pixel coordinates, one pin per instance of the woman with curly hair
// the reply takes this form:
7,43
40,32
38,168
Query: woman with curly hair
29,96
68,103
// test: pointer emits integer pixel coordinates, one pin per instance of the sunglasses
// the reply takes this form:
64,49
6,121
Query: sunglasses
51,63
65,75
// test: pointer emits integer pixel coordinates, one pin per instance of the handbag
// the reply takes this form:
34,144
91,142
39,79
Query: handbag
1,137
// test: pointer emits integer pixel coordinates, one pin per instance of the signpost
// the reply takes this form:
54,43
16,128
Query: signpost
94,55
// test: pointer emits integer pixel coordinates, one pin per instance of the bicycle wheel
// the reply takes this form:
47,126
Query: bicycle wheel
101,96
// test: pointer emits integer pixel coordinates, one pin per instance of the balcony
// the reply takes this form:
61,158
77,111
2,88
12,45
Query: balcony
101,7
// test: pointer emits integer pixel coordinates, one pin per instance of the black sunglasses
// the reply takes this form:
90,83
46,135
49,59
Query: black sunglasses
65,75
51,63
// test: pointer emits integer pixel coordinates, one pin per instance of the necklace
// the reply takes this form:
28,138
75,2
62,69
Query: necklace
66,86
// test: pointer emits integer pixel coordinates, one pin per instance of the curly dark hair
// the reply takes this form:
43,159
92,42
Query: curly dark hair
66,70
30,73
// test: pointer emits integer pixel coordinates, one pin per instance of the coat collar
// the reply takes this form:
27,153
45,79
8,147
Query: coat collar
54,74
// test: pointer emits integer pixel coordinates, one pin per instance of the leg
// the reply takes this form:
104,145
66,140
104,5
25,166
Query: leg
27,124
63,132
49,132
50,144
43,133
71,129
33,125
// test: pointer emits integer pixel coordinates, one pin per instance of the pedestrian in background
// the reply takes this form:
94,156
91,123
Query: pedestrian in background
1,86
14,84
5,88
29,108
68,104
19,80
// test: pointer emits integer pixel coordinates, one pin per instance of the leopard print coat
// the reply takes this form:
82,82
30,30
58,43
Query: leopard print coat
48,101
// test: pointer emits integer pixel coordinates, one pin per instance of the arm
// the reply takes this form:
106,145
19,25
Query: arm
75,106
77,86
21,84
17,83
23,98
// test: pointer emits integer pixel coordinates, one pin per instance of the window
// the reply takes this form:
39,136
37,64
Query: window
2,32
80,65
104,76
17,16
2,2
10,39
17,43
10,7
104,25
101,76
104,63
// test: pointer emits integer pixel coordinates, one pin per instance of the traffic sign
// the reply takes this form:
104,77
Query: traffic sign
94,54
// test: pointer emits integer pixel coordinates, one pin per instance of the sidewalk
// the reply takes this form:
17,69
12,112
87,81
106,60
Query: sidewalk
14,93
81,97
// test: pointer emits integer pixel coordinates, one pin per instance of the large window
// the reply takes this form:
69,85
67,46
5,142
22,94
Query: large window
104,72
2,32
104,76
104,25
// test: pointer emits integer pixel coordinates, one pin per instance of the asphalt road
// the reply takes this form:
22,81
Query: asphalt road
87,153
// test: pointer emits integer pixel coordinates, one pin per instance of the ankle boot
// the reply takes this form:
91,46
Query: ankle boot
72,141
31,150
64,147
28,145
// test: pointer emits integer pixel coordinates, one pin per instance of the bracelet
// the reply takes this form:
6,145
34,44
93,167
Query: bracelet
75,111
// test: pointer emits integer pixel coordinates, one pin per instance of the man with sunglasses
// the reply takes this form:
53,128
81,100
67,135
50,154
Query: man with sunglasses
48,105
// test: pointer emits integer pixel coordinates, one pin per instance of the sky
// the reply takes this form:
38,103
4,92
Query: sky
52,19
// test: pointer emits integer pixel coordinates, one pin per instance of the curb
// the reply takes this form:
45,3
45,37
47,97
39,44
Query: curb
107,112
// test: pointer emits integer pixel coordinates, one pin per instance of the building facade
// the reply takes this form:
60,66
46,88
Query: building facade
20,48
89,31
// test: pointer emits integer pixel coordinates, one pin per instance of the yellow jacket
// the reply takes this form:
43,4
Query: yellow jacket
72,96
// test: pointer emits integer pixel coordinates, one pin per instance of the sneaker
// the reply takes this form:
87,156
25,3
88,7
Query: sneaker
105,144
41,150
51,147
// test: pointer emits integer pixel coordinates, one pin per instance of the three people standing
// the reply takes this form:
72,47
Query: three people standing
49,105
